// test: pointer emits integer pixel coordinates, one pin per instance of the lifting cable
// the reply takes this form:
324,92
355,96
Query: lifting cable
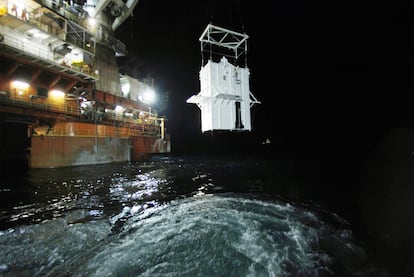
243,30
231,7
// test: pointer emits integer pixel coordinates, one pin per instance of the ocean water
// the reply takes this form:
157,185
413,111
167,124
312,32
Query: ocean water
177,216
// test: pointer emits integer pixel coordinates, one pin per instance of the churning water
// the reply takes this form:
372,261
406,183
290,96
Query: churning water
172,217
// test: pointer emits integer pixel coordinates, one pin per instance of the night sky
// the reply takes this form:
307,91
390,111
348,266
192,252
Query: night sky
334,77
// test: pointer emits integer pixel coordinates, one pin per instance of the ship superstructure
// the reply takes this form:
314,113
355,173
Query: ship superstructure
59,78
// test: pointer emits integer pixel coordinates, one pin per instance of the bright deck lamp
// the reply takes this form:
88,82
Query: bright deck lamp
20,85
57,93
125,87
92,22
119,109
57,96
148,97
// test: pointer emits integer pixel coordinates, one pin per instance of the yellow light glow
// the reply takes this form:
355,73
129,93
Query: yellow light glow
77,61
20,84
56,97
56,93
3,9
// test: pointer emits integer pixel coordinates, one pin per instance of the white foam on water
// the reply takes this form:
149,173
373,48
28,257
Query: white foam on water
38,249
207,236
215,235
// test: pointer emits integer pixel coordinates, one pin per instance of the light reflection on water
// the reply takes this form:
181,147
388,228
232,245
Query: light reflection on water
171,216
50,193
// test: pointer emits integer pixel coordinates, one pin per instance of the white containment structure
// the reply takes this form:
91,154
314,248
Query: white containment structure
224,99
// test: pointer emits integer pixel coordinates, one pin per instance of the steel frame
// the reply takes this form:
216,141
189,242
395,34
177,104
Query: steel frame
222,37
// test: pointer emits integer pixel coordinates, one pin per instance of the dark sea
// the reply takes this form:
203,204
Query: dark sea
186,216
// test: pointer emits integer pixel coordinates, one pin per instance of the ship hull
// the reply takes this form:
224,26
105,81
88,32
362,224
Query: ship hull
47,151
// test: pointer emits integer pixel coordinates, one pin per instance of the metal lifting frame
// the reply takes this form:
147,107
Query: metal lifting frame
214,35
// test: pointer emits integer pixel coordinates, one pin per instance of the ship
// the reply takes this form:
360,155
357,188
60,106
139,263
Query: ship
62,96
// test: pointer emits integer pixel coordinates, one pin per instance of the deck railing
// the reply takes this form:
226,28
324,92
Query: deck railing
123,126
120,132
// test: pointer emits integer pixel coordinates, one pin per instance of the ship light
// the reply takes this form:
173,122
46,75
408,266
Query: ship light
125,87
148,97
56,96
92,22
20,85
119,109
56,93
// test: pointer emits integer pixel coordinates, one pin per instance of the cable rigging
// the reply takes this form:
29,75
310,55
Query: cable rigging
218,15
